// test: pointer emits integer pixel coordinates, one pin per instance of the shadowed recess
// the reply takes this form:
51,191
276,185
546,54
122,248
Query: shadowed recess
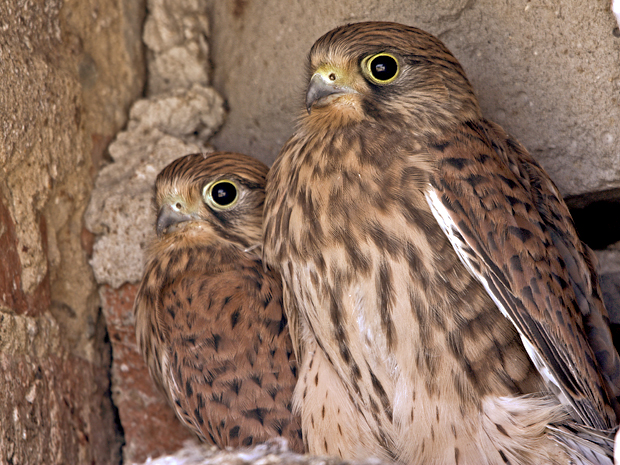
597,217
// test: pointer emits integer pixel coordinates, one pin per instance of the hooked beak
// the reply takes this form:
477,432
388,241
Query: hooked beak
321,89
167,217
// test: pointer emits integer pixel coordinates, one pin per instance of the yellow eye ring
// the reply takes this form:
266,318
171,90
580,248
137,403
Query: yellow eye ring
222,194
381,68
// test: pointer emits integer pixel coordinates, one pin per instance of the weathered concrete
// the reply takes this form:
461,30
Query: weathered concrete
175,34
548,71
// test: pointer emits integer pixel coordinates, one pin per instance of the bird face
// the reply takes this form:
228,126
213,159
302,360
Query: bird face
213,197
360,72
342,83
178,208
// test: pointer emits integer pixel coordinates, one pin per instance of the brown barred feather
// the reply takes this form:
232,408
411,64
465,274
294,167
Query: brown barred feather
436,283
209,318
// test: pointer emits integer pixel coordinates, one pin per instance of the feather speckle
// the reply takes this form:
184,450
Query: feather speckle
209,317
442,308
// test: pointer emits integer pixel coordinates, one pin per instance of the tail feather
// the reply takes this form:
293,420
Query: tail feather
586,446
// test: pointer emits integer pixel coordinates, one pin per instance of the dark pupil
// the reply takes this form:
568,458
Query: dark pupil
383,68
224,193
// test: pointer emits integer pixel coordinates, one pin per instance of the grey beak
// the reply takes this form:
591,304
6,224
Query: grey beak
319,89
167,217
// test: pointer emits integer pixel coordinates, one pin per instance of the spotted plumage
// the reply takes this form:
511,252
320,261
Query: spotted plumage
209,318
435,285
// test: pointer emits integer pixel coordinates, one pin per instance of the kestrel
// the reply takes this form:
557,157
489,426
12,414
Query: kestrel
443,309
209,317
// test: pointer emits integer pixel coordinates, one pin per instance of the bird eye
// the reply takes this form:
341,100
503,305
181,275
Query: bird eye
381,68
220,195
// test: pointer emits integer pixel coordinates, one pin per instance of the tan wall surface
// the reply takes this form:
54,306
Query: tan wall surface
546,70
68,72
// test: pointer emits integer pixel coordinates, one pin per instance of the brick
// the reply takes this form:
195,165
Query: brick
11,294
149,423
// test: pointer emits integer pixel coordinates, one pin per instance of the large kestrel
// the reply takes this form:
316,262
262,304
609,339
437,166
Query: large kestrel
209,317
442,307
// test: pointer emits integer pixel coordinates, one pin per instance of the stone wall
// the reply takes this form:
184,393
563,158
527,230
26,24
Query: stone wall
68,72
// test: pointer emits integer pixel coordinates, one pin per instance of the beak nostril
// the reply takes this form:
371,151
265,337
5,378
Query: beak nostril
168,216
322,86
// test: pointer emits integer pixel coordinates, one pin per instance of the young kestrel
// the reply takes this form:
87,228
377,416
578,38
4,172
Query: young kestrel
209,318
443,308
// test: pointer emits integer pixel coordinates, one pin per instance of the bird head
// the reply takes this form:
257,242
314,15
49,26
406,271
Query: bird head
218,194
387,71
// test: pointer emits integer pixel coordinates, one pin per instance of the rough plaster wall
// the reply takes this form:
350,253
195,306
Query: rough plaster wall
68,72
548,71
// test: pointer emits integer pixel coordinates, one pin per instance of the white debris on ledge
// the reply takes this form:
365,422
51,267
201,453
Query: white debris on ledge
273,452
608,259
